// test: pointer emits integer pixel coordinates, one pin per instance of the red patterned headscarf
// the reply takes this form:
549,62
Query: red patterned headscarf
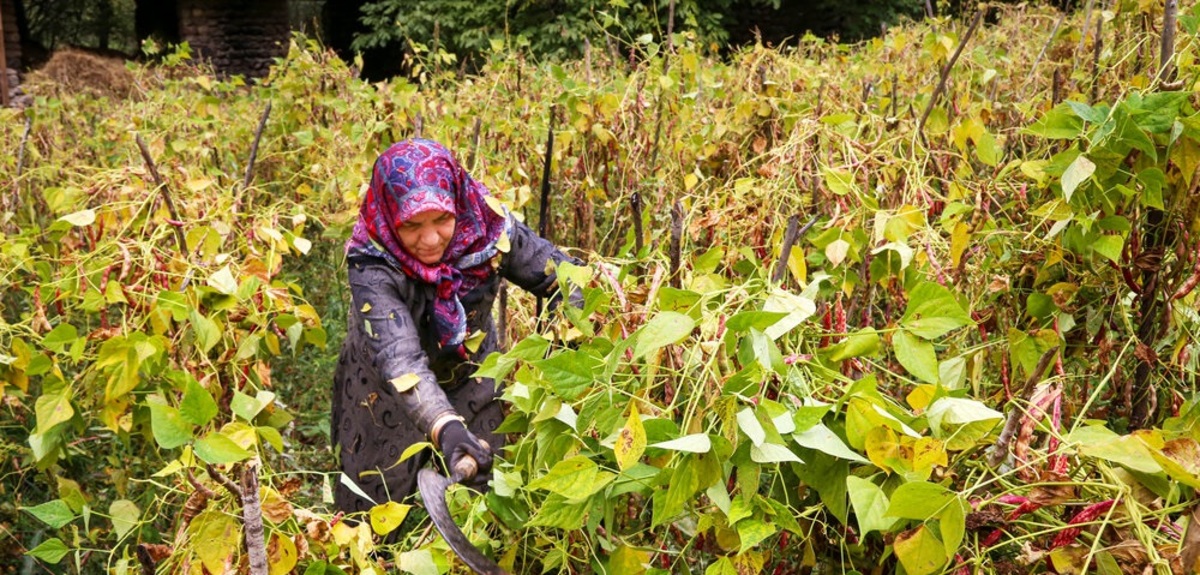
417,176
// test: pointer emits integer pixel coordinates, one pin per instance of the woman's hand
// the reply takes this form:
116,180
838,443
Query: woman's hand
458,443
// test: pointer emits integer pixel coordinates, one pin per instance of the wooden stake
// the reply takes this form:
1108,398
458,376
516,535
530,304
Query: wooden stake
1167,50
587,60
503,320
941,86
635,202
249,177
252,520
474,144
262,122
544,208
1046,46
790,235
166,195
676,243
1098,45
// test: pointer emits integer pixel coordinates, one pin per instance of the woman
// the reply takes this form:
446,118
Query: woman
425,260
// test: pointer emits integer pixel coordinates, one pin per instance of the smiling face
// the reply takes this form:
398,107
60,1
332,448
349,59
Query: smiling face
426,235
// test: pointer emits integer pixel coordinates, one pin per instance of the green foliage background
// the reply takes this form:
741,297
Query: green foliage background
843,410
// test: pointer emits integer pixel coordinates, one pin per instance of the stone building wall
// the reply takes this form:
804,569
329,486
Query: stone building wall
12,40
236,36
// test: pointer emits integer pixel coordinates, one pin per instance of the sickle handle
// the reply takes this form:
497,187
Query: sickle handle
466,467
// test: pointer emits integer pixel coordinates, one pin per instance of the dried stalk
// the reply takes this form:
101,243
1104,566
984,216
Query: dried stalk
166,195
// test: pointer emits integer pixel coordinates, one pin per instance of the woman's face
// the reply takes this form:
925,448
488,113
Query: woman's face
426,235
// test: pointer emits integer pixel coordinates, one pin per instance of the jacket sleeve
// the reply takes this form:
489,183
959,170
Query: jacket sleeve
525,264
392,343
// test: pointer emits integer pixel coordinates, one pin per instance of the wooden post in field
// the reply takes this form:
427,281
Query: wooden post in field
941,85
635,203
676,243
544,208
1155,229
1167,51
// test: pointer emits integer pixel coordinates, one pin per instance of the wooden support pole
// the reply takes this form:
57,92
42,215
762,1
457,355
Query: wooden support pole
676,244
544,208
166,195
1167,49
941,86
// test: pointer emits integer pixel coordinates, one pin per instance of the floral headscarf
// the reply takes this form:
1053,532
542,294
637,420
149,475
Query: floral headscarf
413,177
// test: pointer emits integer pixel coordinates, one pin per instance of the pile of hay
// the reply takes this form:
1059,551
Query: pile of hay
76,71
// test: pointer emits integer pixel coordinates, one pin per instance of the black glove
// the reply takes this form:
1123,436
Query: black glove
457,443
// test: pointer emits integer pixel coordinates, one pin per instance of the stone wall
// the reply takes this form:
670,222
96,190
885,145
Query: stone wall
12,40
236,36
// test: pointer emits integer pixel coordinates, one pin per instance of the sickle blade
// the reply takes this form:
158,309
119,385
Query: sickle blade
433,487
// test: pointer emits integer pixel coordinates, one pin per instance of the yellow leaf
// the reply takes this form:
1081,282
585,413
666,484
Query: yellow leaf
411,451
503,244
690,181
386,517
883,447
928,452
631,441
797,265
960,238
198,184
366,307
216,539
474,340
281,555
405,382
919,397
342,533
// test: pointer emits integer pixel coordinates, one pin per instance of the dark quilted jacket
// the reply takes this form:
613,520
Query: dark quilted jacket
390,338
